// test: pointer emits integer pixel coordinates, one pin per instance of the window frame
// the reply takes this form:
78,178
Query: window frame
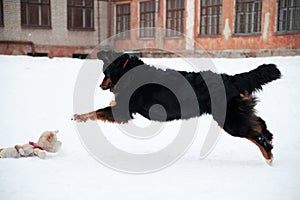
218,23
147,32
287,21
170,31
40,4
121,31
71,15
255,14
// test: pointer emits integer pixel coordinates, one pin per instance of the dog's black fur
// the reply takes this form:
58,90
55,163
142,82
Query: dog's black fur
239,120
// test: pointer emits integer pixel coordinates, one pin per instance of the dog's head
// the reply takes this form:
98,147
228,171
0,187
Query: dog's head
115,65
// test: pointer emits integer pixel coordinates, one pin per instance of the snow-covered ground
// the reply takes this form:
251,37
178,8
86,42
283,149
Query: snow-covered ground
37,95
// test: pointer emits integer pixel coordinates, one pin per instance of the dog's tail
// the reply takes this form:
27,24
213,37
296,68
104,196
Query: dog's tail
254,80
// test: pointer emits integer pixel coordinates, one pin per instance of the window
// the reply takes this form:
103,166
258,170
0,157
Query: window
288,16
147,19
81,15
211,17
248,16
1,14
175,18
123,20
35,13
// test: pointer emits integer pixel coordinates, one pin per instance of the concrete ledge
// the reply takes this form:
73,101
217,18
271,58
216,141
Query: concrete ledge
68,51
224,53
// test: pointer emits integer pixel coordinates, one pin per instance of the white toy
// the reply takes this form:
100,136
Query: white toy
47,143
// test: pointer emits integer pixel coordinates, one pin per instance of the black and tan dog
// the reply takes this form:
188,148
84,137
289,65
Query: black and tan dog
240,119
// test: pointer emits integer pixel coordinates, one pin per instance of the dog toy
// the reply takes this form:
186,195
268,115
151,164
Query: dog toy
47,143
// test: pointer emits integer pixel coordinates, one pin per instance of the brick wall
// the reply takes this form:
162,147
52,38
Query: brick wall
59,41
56,41
267,43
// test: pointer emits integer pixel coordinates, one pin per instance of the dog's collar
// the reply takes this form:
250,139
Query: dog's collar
35,145
126,62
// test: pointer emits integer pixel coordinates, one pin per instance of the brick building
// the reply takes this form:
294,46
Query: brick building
52,27
221,27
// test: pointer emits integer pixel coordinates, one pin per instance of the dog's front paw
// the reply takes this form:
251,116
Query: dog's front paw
85,117
80,118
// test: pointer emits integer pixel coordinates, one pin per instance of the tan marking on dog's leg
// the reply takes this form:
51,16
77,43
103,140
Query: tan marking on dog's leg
85,117
267,155
107,115
112,103
245,96
104,114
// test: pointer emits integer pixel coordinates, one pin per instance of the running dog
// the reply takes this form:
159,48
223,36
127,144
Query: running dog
239,118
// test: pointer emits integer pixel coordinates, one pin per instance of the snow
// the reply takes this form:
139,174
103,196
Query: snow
37,95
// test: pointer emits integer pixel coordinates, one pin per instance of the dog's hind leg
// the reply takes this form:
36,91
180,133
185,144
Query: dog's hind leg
257,134
263,139
241,121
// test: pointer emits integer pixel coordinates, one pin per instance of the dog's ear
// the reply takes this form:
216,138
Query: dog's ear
108,56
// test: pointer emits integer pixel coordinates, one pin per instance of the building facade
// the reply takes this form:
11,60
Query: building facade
52,27
218,27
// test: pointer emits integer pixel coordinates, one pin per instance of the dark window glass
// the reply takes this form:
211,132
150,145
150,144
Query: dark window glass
211,17
175,18
288,19
248,16
147,19
80,14
35,13
123,20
